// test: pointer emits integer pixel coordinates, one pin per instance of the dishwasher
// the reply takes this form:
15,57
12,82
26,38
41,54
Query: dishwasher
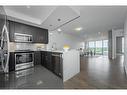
57,64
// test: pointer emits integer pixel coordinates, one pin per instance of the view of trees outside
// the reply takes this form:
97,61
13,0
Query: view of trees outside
105,47
92,46
99,47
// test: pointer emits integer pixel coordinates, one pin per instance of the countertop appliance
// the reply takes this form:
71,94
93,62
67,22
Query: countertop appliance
24,59
23,38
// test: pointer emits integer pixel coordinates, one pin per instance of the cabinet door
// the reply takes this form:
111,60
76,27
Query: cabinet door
43,58
44,36
37,58
12,62
20,28
48,62
11,28
40,35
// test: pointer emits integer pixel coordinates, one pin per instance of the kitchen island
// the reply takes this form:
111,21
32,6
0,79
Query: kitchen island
70,63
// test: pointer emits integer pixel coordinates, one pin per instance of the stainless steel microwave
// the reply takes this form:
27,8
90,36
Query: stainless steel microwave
23,37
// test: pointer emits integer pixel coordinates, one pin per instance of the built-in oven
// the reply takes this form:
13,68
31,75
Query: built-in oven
24,60
24,38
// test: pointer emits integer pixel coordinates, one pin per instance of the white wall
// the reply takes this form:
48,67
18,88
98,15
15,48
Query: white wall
125,45
96,36
62,39
119,45
115,33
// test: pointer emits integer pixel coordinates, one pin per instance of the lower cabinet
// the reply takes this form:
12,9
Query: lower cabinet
48,61
12,62
43,59
37,58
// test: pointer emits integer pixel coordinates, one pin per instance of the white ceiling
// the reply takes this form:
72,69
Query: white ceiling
93,19
101,19
64,13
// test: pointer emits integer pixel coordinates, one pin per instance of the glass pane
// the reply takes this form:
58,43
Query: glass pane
122,44
105,47
24,58
99,47
91,46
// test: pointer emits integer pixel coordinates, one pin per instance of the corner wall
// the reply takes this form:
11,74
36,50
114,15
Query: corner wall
125,45
115,33
61,39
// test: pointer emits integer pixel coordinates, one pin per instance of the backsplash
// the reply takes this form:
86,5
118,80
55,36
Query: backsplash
26,46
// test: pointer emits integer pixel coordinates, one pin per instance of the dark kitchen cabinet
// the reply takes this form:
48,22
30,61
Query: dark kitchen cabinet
12,62
43,58
20,28
37,58
40,35
11,28
53,61
48,61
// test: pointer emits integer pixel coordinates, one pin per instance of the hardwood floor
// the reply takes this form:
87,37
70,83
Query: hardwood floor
99,72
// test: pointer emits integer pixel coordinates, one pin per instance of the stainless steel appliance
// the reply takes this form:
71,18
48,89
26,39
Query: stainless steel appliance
23,37
24,72
24,59
4,45
57,64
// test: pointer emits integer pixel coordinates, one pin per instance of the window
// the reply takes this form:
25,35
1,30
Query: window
122,44
99,47
92,46
105,47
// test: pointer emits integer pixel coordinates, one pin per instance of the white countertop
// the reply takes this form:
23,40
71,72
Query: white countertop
50,50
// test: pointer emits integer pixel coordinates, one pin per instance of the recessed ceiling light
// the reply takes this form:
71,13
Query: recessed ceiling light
28,6
78,28
59,19
59,30
99,33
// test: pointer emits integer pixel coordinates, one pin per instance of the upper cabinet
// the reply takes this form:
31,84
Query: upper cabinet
11,29
39,35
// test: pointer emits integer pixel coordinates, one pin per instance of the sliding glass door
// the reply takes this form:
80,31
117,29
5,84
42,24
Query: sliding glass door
122,44
92,46
105,47
99,47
